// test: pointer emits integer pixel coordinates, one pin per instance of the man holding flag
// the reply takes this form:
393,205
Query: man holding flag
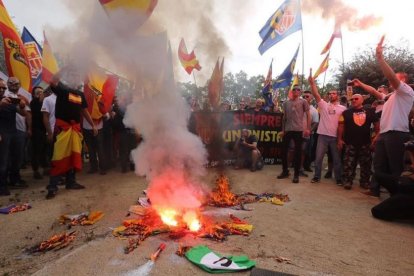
70,106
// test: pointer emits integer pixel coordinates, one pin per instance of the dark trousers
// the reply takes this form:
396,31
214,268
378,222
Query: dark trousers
127,142
400,205
389,155
353,156
4,158
39,149
297,139
310,151
95,149
16,155
108,144
54,180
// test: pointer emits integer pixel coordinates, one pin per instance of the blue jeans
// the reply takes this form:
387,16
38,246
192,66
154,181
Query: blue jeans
324,142
4,158
16,152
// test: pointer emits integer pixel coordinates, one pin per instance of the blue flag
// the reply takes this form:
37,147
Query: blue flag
267,88
34,55
286,77
284,21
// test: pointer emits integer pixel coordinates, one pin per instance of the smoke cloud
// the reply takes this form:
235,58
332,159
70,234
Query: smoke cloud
345,15
170,156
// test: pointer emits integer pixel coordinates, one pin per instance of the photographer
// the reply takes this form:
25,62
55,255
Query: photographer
247,152
8,110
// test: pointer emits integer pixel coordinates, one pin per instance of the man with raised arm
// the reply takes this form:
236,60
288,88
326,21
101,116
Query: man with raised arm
394,123
327,130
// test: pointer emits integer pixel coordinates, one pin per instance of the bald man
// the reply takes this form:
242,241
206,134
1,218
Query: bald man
354,132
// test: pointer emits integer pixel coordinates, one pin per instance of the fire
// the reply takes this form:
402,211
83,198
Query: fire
221,195
168,216
192,221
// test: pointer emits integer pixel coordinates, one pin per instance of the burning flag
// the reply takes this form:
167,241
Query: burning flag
336,34
14,51
188,60
56,242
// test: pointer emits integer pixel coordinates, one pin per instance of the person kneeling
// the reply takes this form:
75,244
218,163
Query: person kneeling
247,152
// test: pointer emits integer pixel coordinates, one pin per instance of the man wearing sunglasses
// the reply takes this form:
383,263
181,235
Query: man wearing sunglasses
327,130
354,132
294,110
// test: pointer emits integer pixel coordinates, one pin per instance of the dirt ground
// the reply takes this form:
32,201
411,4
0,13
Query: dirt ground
324,230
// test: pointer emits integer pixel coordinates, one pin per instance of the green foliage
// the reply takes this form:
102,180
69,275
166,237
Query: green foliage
364,65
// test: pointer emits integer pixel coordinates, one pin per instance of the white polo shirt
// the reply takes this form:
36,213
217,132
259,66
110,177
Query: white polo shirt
49,104
328,123
396,110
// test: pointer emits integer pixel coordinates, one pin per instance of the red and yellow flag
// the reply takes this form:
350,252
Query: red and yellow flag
14,51
188,60
67,149
143,8
336,34
49,62
323,67
99,92
215,85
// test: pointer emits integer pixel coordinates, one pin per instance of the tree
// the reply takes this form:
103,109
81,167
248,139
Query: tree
364,65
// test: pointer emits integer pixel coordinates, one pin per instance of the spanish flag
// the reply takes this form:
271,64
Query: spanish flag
323,67
99,92
188,60
14,51
67,148
49,62
215,84
143,8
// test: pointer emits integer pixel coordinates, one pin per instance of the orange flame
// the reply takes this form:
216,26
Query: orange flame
192,221
221,195
168,216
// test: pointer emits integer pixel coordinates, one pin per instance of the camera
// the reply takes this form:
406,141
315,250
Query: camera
15,101
350,83
409,145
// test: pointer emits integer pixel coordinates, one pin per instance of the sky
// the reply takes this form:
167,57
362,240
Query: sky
229,28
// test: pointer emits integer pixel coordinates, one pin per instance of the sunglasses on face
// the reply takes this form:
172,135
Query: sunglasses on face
354,99
3,87
295,89
306,96
13,83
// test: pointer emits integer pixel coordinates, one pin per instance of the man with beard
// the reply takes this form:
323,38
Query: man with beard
327,130
354,132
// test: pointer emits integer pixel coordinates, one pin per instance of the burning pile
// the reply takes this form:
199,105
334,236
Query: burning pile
81,219
221,196
150,224
15,208
56,242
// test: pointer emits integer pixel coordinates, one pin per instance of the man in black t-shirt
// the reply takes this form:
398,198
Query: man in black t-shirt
247,152
354,131
70,107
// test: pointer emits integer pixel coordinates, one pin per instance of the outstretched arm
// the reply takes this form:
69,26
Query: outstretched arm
386,69
313,87
371,90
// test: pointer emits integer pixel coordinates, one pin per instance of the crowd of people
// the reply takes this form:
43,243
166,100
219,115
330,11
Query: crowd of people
56,132
59,128
351,132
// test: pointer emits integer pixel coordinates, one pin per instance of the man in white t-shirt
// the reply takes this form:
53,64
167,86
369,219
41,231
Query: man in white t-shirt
327,130
394,123
49,120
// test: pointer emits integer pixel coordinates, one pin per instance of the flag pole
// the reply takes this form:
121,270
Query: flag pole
195,82
342,48
303,59
324,77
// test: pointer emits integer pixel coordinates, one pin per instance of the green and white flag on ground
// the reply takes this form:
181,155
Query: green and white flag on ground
212,262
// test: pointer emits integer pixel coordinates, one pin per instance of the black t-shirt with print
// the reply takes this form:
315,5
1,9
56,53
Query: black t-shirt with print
357,124
69,103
